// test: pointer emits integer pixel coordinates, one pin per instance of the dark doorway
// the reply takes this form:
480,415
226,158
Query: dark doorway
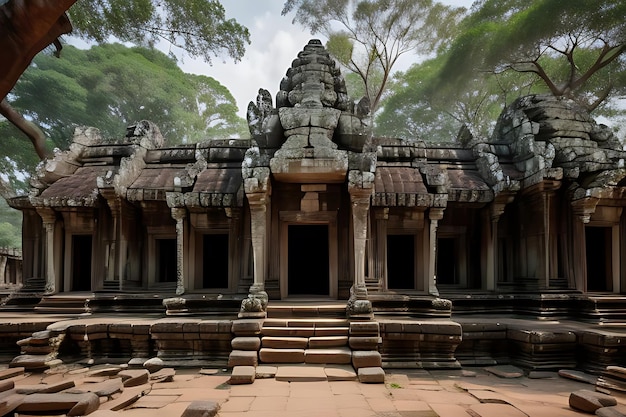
81,262
400,262
166,260
599,271
215,261
308,262
446,262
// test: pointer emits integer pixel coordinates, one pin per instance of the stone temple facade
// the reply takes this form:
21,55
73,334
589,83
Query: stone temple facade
530,222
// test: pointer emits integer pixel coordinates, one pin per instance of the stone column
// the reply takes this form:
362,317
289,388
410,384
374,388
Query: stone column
48,217
434,215
179,214
359,305
256,303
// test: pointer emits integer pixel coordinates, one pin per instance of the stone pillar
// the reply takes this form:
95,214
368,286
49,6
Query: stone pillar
48,217
360,204
179,214
256,303
434,215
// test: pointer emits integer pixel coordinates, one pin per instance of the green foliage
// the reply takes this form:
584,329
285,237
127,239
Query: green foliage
199,27
10,226
112,86
587,39
373,34
17,158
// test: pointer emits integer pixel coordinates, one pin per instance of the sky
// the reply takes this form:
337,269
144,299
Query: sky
275,42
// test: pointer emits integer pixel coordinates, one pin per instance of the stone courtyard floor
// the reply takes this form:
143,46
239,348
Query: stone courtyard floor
406,393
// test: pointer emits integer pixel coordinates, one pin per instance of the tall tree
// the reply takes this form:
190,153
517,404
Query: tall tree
418,108
199,27
369,36
588,37
111,86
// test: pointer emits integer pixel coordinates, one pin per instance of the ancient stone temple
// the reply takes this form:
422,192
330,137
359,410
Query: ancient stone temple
409,238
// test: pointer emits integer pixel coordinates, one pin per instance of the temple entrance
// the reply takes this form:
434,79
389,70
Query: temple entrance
308,260
599,259
401,262
166,260
215,261
446,262
81,262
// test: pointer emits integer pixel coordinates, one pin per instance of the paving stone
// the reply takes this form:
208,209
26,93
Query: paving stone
265,371
488,396
134,377
340,373
270,355
494,410
128,397
104,413
371,375
243,358
154,401
366,359
201,409
589,401
72,404
336,356
578,376
300,373
242,375
612,411
505,371
449,410
246,343
45,388
103,389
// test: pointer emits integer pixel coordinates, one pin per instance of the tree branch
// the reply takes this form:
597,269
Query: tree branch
36,136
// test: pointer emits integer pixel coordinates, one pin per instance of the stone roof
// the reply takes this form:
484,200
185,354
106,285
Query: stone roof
78,189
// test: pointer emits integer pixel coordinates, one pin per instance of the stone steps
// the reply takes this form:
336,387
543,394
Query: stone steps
305,340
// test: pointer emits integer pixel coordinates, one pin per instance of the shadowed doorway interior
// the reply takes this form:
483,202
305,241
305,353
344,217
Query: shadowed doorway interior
308,262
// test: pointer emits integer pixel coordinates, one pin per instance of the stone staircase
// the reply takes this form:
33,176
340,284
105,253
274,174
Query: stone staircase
319,337
317,340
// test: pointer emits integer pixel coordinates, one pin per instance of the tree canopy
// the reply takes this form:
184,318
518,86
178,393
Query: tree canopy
587,39
199,27
111,86
369,36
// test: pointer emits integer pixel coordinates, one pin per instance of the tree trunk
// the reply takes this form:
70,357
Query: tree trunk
36,136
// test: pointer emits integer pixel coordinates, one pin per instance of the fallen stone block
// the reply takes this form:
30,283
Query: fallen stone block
6,385
589,401
134,377
613,411
154,365
371,375
45,388
11,372
71,404
128,397
242,375
10,401
30,362
164,375
578,376
112,371
201,409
